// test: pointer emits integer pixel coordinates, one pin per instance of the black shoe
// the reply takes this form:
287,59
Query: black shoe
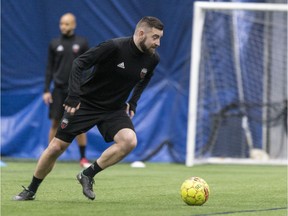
26,194
87,185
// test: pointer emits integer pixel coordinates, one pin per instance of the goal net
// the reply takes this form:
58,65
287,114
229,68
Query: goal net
238,83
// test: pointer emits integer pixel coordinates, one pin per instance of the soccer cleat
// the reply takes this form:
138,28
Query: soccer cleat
26,194
87,185
84,163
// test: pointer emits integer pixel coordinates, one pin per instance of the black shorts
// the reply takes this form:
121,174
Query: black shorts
108,123
56,108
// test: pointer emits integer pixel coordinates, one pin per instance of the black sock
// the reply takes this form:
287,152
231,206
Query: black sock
35,183
92,170
82,151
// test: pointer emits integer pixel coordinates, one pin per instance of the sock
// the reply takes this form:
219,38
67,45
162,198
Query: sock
35,183
82,151
92,170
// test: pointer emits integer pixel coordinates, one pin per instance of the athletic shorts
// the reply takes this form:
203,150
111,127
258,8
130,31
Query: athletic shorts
107,122
56,108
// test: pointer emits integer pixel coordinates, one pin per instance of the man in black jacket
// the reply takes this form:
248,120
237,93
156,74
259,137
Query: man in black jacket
62,52
119,66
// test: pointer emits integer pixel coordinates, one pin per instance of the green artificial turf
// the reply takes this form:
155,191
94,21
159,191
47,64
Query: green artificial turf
151,191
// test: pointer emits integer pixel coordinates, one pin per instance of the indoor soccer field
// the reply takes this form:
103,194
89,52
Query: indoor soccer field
218,96
152,191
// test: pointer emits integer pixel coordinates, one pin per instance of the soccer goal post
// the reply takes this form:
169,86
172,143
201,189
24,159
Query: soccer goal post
238,82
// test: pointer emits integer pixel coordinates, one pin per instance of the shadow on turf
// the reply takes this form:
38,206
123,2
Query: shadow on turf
244,211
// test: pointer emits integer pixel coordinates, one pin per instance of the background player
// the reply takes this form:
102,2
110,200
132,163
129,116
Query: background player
62,51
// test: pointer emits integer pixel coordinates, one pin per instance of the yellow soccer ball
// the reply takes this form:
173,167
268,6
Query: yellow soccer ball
195,191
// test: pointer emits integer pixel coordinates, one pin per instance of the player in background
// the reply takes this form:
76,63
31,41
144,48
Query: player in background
120,66
62,51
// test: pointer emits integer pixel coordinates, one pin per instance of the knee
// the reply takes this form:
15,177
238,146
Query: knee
131,141
56,147
128,141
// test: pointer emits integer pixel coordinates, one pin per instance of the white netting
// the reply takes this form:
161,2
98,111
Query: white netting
242,86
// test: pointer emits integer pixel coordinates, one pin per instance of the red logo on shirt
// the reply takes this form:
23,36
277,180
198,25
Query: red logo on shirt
75,48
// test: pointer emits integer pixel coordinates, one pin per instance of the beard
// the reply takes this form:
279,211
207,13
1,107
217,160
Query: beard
145,49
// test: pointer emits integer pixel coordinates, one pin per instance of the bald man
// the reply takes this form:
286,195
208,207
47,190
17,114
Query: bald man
62,51
120,66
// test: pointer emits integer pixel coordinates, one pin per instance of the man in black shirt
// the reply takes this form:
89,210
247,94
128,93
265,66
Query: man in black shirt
119,66
62,51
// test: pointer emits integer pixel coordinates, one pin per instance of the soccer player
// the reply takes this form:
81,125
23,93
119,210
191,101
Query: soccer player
119,65
62,51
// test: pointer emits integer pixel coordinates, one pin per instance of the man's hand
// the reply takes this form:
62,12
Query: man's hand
71,110
71,104
129,112
47,98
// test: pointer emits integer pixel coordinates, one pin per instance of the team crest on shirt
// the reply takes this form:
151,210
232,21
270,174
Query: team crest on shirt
143,73
64,123
75,48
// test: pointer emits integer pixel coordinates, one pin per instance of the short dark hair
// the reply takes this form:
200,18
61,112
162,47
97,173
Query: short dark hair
151,22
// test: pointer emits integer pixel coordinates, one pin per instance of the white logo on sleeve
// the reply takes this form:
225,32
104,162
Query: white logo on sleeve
60,48
121,65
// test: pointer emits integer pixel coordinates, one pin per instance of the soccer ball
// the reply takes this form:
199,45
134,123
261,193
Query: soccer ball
198,179
195,191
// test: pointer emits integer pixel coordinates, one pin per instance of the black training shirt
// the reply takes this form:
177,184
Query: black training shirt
61,54
118,66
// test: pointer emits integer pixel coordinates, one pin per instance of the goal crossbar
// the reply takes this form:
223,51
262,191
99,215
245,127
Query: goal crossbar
241,6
